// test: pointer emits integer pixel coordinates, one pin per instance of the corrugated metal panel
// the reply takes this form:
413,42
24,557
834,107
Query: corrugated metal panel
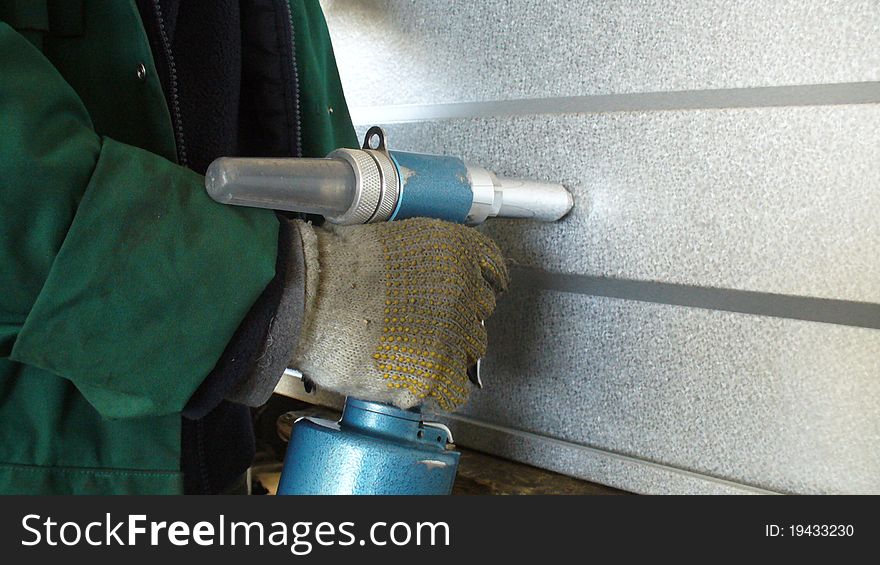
779,404
706,319
706,197
428,52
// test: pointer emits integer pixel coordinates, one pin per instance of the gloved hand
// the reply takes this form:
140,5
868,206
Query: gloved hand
393,310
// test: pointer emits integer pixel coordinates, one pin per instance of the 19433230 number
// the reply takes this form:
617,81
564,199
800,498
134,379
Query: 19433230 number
822,530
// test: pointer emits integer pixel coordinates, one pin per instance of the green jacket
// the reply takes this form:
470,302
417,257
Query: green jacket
121,282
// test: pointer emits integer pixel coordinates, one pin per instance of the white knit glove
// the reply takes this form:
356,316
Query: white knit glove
393,310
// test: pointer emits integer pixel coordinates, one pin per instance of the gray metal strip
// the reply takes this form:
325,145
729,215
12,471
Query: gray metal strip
759,97
830,311
589,463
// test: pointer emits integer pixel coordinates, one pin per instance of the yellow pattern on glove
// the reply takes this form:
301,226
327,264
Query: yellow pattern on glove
394,310
440,284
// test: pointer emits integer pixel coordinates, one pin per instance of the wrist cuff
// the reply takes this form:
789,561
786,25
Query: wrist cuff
284,329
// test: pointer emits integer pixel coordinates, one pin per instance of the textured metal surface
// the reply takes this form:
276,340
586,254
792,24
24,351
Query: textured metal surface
373,449
722,154
714,198
763,97
777,404
425,51
629,473
807,308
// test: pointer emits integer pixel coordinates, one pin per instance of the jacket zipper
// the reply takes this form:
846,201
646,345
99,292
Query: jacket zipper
173,95
296,111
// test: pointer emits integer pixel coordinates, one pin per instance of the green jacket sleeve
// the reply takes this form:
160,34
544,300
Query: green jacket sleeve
325,114
117,271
